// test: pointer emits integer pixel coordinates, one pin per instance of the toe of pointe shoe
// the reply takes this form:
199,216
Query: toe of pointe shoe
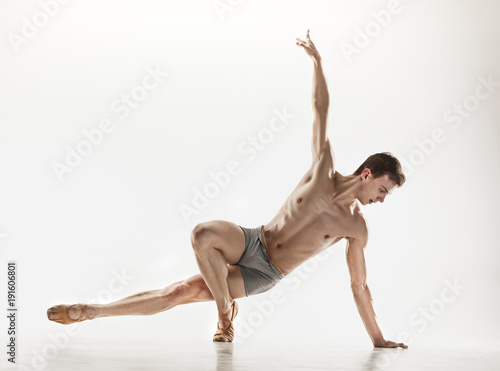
58,313
221,339
224,335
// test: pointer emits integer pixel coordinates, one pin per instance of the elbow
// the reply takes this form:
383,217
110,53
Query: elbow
320,108
358,288
321,105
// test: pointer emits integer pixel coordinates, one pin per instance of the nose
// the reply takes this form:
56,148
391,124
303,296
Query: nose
381,199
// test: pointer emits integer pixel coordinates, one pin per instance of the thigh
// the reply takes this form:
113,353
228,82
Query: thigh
234,281
226,237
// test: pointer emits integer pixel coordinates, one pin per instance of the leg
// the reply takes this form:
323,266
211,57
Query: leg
191,290
217,244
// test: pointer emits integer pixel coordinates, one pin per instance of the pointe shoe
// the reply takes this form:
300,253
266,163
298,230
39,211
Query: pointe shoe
227,334
60,314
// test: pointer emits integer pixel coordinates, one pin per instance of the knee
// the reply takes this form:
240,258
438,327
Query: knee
180,291
202,236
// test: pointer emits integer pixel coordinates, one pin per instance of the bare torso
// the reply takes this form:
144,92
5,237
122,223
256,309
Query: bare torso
311,220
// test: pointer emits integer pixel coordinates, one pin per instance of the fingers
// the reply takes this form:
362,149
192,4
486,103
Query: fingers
392,344
400,345
300,42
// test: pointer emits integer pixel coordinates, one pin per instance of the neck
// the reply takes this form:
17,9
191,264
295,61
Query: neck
346,187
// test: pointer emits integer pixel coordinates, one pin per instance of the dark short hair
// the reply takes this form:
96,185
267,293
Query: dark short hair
381,164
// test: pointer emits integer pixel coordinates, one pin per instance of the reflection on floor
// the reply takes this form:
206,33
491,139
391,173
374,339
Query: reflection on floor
245,356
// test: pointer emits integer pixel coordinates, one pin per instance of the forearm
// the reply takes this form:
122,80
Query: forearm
364,302
320,97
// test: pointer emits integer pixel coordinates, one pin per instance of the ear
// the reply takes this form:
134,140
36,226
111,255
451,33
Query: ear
365,174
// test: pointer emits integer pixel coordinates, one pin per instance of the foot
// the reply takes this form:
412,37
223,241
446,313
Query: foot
75,311
67,314
224,321
225,329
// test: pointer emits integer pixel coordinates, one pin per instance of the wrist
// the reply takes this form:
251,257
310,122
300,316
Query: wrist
379,341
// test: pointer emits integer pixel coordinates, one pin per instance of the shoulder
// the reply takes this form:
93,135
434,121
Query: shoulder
325,153
323,164
359,226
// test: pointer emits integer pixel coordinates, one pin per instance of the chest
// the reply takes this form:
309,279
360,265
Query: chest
323,213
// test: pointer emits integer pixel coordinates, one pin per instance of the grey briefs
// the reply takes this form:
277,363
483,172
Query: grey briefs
259,274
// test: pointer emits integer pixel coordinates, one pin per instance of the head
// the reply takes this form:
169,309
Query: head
379,175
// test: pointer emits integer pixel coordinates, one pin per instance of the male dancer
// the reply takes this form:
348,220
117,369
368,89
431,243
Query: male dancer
236,262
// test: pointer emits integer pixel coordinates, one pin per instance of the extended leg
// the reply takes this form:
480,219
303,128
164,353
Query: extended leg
151,302
191,290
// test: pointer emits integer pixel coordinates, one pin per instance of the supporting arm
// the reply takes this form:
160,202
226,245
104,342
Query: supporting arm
361,293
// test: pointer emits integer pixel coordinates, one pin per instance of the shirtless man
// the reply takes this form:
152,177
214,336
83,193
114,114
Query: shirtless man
236,262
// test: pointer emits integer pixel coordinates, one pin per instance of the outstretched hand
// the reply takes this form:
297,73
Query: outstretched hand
309,47
390,344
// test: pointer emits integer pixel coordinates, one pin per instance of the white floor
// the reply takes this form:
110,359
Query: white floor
170,355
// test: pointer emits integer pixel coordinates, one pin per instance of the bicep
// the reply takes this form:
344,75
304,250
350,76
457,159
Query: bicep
322,160
319,138
355,257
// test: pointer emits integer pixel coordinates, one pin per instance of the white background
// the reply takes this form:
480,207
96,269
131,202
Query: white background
120,208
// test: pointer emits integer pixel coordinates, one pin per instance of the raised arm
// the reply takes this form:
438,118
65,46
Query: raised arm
362,296
320,101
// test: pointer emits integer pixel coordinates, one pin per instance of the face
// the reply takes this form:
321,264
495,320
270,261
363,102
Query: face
374,190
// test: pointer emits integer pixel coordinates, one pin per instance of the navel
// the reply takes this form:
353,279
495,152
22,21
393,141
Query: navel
327,236
299,200
278,245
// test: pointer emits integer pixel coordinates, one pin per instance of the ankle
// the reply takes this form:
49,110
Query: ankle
223,324
93,311
225,306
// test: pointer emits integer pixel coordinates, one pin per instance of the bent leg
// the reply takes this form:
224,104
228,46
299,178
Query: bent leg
217,244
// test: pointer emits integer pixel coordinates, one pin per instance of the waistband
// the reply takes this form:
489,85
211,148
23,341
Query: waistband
264,242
